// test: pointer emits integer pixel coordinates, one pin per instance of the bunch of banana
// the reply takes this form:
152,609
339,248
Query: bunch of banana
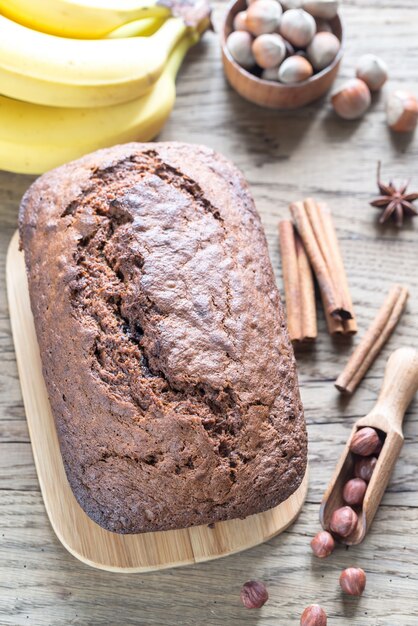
36,138
57,71
85,19
63,97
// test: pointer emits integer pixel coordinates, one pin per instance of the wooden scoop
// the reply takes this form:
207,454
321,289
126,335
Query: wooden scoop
400,384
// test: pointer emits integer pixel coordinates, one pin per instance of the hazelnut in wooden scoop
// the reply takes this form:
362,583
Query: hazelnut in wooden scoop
322,544
263,16
239,44
323,49
354,491
365,441
298,27
364,468
254,594
343,521
269,50
313,615
353,581
295,69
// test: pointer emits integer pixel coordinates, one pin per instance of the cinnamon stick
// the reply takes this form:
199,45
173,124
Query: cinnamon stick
291,279
307,293
335,325
298,285
314,211
309,227
346,327
374,339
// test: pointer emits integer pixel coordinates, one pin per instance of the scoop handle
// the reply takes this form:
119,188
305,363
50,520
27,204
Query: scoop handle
400,384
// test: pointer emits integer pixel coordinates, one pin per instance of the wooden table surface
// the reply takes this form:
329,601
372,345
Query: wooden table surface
284,156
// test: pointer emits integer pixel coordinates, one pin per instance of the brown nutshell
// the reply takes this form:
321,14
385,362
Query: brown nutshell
323,544
365,441
364,468
343,521
353,581
313,615
254,594
354,491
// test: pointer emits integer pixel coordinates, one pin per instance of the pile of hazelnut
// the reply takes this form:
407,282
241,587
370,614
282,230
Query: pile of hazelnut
281,43
365,445
353,99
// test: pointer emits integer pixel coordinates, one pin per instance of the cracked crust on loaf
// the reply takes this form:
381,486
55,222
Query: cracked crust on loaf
164,347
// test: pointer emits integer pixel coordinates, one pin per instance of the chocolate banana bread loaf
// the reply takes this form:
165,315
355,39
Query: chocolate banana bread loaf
163,342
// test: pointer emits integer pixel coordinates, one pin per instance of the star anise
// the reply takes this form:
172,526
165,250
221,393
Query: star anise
395,201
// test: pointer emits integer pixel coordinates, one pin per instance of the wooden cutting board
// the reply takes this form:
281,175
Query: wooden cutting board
78,533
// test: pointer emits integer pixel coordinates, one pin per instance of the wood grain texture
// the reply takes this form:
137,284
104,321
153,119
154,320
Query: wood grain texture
285,156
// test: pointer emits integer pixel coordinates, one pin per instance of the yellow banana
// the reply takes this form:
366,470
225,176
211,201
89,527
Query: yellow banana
81,19
34,138
138,28
55,71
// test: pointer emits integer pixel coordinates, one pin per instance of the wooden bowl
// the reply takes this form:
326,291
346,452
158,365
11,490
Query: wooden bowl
269,93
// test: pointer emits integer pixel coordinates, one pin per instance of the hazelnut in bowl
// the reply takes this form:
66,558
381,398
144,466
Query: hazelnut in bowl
278,58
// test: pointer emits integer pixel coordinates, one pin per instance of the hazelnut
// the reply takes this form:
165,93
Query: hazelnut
353,581
372,70
352,100
323,49
269,50
364,468
322,544
263,16
298,27
313,615
364,442
254,594
240,21
402,111
354,491
239,45
295,69
343,521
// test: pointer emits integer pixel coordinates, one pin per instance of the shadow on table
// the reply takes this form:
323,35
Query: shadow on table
340,130
271,131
